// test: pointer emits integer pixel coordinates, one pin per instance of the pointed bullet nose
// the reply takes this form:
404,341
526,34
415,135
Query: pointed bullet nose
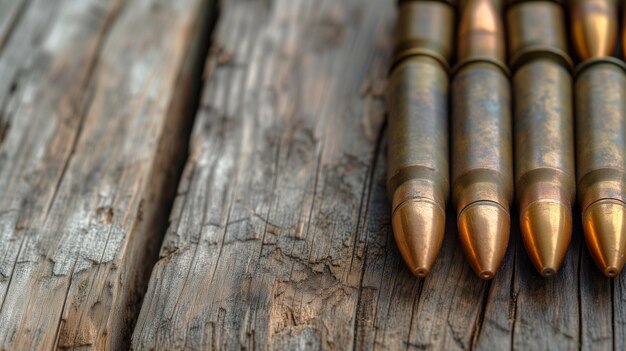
605,233
481,32
594,27
418,227
484,232
546,231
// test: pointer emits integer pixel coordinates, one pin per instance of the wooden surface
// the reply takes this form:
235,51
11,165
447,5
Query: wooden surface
267,241
92,101
279,234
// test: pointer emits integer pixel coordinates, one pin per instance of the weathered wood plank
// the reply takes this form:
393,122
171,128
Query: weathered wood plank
93,97
10,13
568,311
265,248
617,327
451,301
596,306
547,309
496,328
398,311
388,293
280,236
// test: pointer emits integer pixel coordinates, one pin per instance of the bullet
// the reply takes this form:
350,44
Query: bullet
418,174
594,27
543,130
600,95
481,137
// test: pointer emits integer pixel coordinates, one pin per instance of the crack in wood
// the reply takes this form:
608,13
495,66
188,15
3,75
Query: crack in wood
87,245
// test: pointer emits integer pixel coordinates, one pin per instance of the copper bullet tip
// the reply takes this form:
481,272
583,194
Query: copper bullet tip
418,226
611,272
594,27
546,232
484,232
486,275
421,272
605,233
481,33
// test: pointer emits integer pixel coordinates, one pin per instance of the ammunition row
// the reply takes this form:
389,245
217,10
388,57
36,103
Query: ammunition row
483,132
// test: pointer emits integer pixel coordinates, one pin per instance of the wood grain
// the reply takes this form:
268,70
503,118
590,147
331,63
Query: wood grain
93,100
266,245
280,235
10,13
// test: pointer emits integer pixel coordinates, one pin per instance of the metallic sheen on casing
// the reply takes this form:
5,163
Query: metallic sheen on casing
418,180
543,129
600,95
601,147
482,185
425,27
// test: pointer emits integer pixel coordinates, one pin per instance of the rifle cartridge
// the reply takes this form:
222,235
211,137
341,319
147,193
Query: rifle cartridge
600,93
543,130
481,137
418,173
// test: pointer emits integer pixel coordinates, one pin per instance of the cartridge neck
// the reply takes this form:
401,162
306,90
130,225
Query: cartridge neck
536,30
481,32
425,28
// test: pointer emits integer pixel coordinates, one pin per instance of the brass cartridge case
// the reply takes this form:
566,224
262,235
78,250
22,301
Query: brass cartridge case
536,29
482,179
600,92
425,27
601,162
543,131
418,173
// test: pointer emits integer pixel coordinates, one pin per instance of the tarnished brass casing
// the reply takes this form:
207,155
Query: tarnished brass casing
536,29
600,95
425,27
543,130
482,179
601,163
418,171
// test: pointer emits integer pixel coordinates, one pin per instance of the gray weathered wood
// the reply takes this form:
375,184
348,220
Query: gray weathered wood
10,13
616,329
93,95
547,309
596,307
398,311
266,244
280,236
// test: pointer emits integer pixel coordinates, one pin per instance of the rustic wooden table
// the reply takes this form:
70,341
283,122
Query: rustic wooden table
279,233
